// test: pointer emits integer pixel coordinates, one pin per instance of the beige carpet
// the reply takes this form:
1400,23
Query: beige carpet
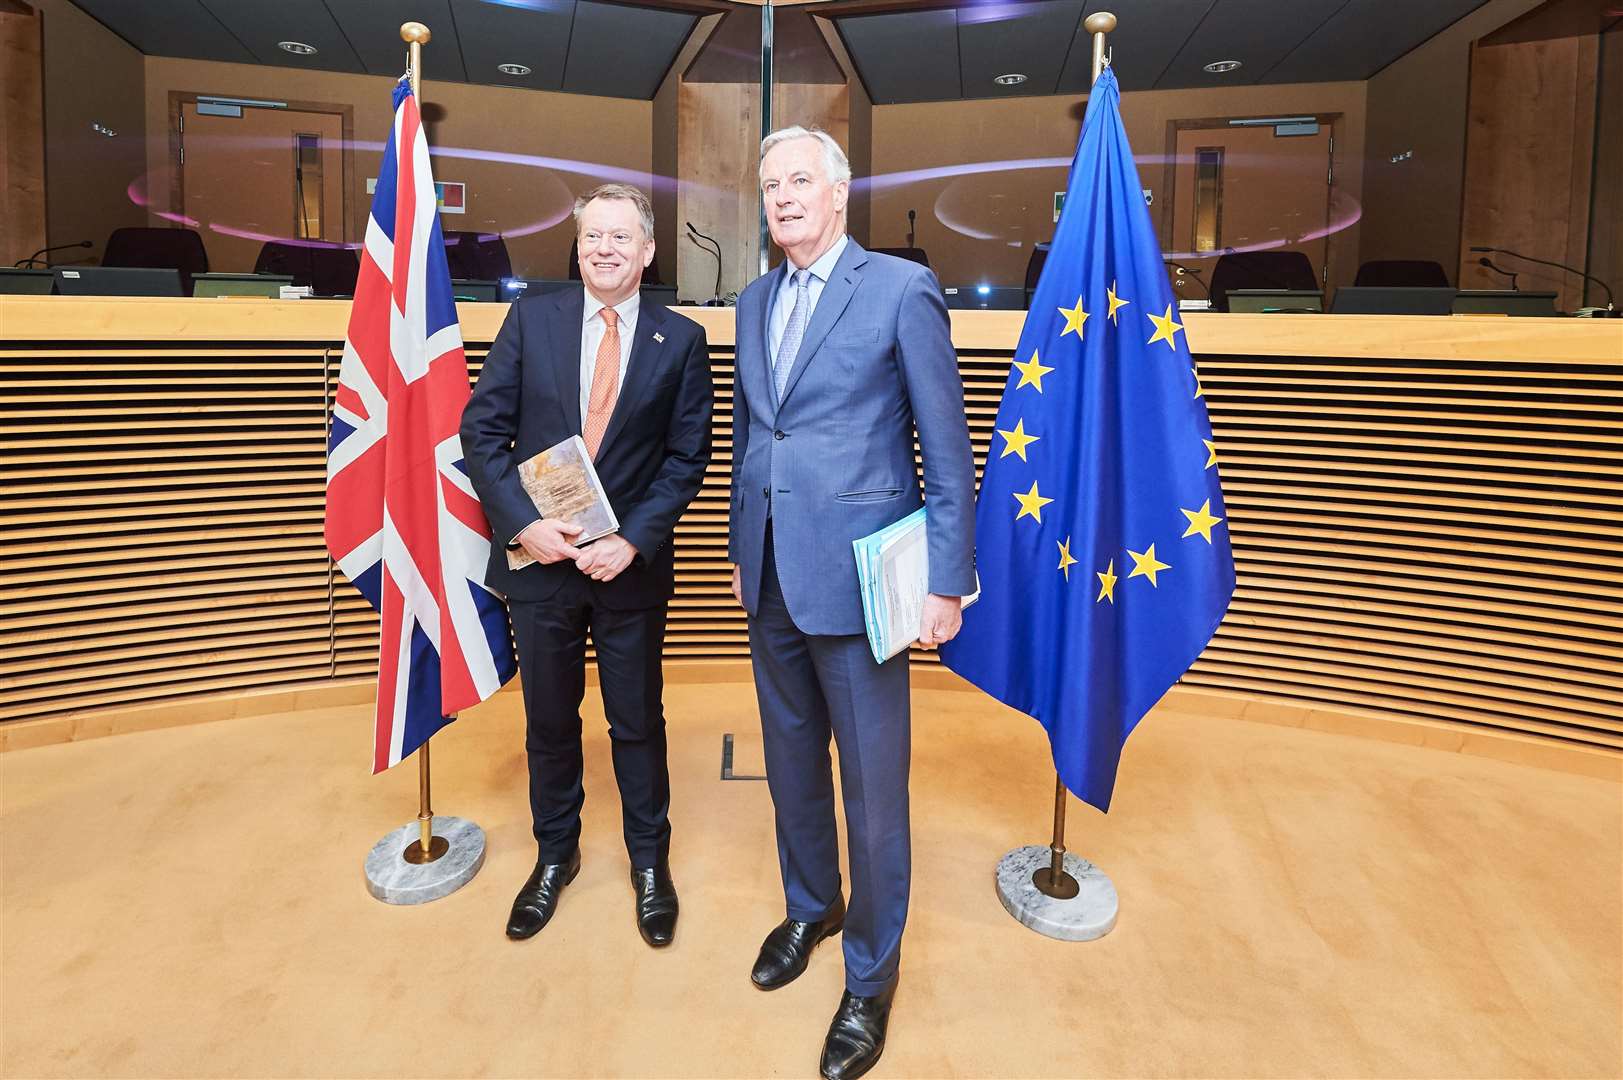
189,902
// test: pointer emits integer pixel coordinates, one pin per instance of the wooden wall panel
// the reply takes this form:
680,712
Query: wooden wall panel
22,133
1424,511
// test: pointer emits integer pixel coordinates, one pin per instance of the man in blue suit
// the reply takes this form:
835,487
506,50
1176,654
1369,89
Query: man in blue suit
842,356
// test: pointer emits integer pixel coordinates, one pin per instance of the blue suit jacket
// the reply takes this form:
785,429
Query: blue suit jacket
835,458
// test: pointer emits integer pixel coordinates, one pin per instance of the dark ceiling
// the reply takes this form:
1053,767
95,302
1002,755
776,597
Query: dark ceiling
952,53
577,46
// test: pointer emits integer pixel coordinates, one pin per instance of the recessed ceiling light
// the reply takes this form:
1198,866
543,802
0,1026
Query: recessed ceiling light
297,48
1011,79
1218,67
512,69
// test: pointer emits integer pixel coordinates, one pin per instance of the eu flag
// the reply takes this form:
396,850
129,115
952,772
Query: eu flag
1101,541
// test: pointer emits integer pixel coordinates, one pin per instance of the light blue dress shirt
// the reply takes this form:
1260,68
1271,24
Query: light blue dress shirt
783,301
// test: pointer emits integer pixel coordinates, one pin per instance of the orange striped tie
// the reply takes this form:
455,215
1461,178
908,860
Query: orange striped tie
605,383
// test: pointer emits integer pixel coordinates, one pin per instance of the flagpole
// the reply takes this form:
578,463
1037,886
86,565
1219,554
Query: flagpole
1052,880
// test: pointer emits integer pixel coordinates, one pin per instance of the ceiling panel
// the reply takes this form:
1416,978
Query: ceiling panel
260,26
1365,36
618,51
534,33
1030,39
177,28
1148,36
1258,33
373,29
907,56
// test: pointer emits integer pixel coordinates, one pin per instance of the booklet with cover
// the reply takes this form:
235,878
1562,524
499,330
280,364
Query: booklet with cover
563,485
893,568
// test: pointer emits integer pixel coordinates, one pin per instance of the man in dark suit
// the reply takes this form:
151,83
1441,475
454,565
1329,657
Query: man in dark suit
633,380
843,355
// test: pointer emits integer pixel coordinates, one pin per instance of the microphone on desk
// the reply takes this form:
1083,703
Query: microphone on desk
1193,274
22,263
698,239
1610,310
1511,274
912,217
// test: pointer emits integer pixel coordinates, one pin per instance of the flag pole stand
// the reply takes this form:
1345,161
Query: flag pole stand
430,857
1056,893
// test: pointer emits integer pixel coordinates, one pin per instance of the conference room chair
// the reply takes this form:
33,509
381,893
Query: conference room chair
158,249
1403,273
329,269
477,256
1261,270
650,273
1034,267
911,254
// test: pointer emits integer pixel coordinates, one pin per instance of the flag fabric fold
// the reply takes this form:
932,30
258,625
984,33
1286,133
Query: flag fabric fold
1101,533
403,522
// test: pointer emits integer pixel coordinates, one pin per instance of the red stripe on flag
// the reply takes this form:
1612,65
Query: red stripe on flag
464,507
405,210
346,398
388,671
354,510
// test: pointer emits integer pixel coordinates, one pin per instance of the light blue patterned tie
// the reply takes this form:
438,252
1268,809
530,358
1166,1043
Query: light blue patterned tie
793,332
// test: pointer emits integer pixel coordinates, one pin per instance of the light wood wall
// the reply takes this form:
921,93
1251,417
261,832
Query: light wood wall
1423,511
22,133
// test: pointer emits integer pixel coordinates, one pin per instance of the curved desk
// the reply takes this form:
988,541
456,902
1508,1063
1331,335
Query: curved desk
1425,514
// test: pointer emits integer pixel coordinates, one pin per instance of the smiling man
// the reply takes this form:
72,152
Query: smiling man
633,380
843,356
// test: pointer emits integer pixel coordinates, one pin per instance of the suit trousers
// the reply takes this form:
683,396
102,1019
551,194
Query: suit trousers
810,686
551,640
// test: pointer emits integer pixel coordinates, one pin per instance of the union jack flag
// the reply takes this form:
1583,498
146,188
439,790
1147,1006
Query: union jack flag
403,523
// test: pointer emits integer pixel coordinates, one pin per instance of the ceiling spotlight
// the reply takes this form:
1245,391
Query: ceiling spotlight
512,69
1218,67
297,48
1011,79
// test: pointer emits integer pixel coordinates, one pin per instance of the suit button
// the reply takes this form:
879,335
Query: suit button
766,493
778,435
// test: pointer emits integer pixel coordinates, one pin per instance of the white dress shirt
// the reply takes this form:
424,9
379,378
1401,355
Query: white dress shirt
783,301
591,336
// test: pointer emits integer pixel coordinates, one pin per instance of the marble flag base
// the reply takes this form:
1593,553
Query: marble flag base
392,879
1088,915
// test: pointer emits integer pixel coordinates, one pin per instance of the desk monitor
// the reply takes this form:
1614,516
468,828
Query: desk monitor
1253,301
475,291
517,288
985,297
662,295
118,281
26,282
1504,302
1392,300
266,285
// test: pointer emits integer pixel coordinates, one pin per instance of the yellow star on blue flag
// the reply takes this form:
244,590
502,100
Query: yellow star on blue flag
1112,486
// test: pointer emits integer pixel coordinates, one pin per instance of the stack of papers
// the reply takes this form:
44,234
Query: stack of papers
893,568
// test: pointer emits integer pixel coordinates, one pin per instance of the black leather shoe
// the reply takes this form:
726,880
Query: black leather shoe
656,904
856,1038
538,899
788,948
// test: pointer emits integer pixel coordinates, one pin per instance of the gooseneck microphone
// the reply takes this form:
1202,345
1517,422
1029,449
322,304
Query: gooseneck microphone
912,218
700,239
1491,265
34,258
1611,303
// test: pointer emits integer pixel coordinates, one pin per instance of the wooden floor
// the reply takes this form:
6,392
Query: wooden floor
189,902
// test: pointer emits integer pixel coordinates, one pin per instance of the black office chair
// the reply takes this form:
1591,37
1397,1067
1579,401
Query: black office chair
329,269
477,256
1034,267
1403,273
911,254
650,273
1261,270
158,249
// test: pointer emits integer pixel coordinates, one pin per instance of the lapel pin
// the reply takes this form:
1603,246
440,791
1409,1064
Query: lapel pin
659,337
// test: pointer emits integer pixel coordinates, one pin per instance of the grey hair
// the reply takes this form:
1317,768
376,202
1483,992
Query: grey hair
635,196
835,163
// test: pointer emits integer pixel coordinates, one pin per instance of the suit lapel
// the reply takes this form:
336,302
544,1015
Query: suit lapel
842,284
646,354
566,339
763,370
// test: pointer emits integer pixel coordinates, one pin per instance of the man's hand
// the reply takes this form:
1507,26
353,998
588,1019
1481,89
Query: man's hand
547,540
943,615
738,587
602,560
